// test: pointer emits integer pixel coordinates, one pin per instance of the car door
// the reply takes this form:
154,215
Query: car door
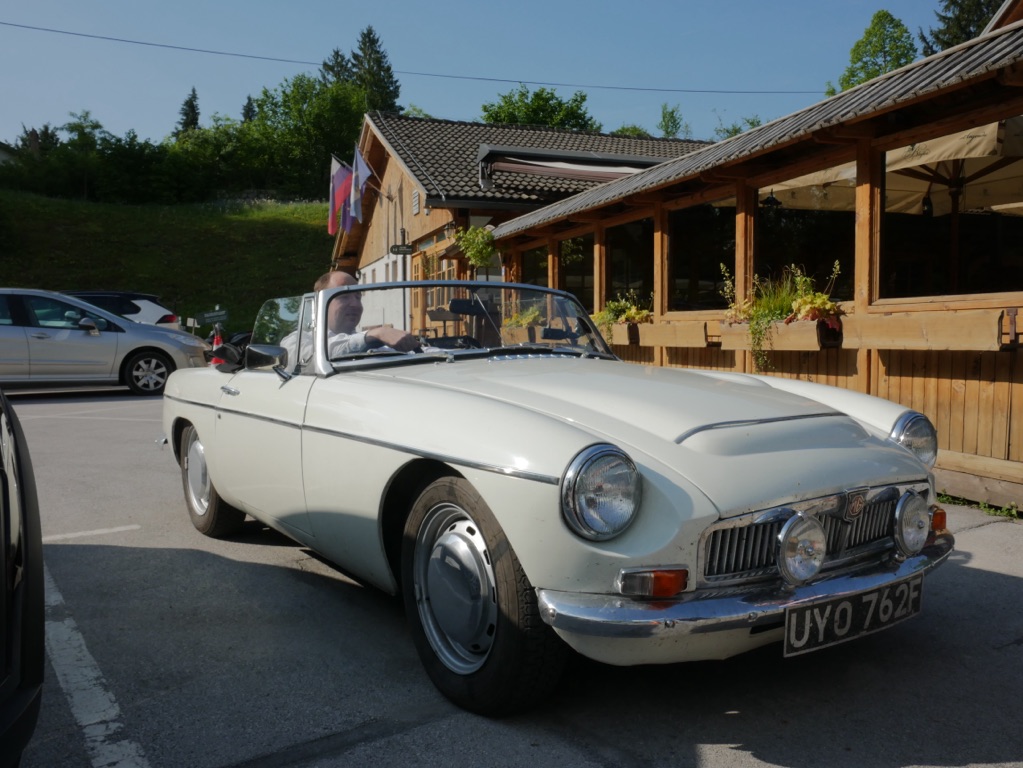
259,445
59,349
13,343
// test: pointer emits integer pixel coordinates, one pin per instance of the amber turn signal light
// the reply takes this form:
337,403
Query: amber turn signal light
661,583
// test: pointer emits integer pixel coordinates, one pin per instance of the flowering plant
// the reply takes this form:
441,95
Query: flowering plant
789,298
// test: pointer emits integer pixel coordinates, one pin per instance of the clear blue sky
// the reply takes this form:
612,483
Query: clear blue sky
679,46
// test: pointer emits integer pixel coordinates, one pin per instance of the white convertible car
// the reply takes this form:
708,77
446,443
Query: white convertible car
477,447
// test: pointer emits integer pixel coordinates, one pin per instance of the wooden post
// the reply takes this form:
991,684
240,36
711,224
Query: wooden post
745,237
662,291
599,268
867,250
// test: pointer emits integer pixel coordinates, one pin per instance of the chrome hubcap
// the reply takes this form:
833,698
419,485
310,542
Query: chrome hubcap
455,588
196,477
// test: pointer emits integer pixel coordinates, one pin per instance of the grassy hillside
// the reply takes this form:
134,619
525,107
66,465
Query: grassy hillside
193,257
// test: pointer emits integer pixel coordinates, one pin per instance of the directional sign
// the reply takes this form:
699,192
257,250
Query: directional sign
402,250
213,316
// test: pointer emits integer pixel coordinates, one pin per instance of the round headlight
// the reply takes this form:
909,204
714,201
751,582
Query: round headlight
912,523
801,547
600,493
914,431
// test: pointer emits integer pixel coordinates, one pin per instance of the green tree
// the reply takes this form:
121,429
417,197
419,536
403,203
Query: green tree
886,45
540,107
671,125
372,72
959,21
189,114
633,131
38,140
736,127
248,110
415,111
337,68
297,127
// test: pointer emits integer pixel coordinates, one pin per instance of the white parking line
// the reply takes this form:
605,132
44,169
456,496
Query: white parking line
97,532
92,704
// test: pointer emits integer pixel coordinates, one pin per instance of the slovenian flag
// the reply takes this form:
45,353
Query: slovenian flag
340,190
360,175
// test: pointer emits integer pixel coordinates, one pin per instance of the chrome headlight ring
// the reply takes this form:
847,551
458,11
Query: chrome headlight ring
912,523
802,544
600,492
915,432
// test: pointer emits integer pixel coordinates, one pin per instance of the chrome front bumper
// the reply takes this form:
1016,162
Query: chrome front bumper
599,616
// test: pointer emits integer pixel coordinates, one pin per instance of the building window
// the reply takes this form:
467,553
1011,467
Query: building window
630,257
952,226
534,266
700,240
809,222
576,268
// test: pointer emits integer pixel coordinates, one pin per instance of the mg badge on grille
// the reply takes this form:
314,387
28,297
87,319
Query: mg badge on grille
854,508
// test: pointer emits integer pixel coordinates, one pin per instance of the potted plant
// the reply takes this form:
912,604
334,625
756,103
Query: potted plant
620,316
775,305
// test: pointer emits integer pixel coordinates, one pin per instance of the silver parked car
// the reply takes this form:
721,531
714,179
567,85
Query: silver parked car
49,338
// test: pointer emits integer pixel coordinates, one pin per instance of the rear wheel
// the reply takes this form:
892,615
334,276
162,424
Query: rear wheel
472,611
146,372
210,514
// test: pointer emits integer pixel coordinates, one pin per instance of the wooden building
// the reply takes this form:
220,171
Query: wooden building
912,182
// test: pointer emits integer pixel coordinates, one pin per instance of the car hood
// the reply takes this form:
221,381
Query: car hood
744,443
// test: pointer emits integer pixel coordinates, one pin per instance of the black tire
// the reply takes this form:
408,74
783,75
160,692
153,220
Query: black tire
210,514
146,372
486,648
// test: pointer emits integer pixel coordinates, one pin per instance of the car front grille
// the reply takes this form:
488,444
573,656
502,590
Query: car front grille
744,549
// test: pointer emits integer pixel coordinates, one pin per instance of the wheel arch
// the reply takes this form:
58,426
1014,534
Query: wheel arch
402,491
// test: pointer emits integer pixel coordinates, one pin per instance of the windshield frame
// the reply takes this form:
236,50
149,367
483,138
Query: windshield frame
566,321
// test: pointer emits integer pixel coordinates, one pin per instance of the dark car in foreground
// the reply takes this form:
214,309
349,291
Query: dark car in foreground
22,649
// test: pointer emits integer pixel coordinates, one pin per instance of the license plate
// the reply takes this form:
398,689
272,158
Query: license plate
830,622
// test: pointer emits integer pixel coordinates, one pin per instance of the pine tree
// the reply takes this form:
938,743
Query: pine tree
248,110
337,68
961,20
189,114
372,71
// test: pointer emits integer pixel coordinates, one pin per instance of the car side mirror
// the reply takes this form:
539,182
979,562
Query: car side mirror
265,357
89,325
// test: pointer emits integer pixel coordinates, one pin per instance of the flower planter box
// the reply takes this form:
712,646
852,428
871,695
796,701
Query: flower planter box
976,330
625,333
799,336
692,333
514,335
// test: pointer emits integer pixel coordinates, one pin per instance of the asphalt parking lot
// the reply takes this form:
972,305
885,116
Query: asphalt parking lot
167,648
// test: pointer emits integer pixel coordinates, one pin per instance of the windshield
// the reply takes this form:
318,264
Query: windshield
456,318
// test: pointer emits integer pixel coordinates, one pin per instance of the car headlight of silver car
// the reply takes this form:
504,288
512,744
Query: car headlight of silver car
600,492
802,544
915,432
912,523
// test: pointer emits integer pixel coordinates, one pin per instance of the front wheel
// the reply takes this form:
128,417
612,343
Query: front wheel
210,514
146,373
473,613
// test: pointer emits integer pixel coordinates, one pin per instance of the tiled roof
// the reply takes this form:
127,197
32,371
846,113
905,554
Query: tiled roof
442,156
973,61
